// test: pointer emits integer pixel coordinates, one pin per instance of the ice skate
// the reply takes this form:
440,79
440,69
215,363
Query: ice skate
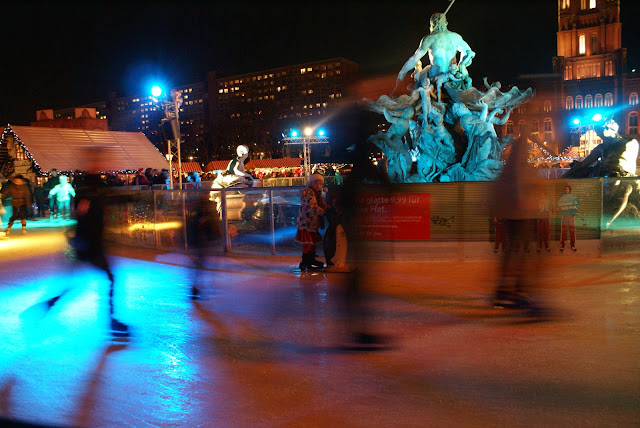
314,263
195,293
119,329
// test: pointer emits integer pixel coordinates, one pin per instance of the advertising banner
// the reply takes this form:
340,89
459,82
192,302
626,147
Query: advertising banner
394,216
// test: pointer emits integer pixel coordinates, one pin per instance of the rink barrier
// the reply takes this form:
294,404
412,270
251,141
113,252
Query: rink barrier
262,220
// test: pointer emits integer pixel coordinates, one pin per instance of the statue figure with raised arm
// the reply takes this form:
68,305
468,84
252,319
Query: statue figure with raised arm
442,128
442,46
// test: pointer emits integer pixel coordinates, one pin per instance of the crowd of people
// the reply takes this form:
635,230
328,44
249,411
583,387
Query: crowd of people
54,198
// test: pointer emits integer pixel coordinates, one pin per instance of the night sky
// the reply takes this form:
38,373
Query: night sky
66,54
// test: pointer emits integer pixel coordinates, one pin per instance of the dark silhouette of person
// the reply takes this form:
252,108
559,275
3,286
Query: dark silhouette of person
515,202
87,242
21,199
203,227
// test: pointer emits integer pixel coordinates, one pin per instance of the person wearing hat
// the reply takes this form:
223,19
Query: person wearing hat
312,208
141,179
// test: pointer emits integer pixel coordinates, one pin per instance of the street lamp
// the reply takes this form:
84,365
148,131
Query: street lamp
171,106
156,91
306,141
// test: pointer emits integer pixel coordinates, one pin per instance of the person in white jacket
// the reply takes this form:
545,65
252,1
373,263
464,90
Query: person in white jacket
63,193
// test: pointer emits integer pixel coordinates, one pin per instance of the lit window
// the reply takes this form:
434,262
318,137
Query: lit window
548,133
592,4
608,99
594,44
582,44
588,101
569,103
521,125
608,68
510,128
578,101
535,127
583,4
598,101
633,99
567,73
566,4
633,123
547,106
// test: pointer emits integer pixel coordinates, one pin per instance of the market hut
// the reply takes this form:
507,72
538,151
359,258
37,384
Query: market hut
283,166
35,151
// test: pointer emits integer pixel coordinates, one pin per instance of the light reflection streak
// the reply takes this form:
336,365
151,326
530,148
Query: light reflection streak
158,226
32,242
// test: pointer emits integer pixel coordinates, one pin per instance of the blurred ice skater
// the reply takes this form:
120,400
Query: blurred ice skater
88,240
203,226
515,202
354,303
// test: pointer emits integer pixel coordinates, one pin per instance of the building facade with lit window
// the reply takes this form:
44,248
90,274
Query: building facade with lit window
255,109
91,117
590,81
143,114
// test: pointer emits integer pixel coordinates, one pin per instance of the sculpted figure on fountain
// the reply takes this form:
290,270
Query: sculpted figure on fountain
444,124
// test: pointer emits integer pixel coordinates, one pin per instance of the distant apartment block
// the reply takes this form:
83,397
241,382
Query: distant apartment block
224,111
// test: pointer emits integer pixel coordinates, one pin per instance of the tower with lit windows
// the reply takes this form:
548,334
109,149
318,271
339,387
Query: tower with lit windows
591,63
589,40
590,81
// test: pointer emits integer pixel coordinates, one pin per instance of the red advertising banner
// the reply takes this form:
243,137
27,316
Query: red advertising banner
394,216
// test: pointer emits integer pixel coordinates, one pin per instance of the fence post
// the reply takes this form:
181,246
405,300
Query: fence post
225,225
184,220
155,217
602,219
273,225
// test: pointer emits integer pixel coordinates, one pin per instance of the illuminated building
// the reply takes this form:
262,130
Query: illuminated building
90,117
141,113
256,108
252,109
590,77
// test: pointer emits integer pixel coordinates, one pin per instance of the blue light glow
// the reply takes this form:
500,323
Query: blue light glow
321,132
576,121
597,117
156,91
294,133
